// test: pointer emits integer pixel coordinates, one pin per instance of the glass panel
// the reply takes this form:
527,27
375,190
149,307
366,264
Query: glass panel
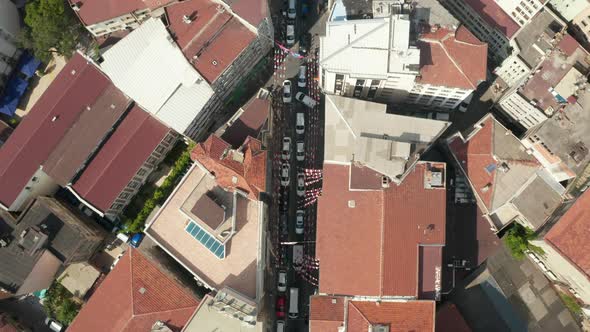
195,231
190,227
200,235
215,246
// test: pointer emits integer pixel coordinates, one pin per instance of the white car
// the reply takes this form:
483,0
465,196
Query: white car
54,325
285,169
306,100
300,184
287,95
300,123
300,152
299,222
282,282
301,78
290,35
286,152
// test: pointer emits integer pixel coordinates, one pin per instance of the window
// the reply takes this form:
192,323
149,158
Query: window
358,88
338,83
141,172
373,89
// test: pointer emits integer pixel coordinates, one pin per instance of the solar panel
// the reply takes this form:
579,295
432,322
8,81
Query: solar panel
490,168
208,241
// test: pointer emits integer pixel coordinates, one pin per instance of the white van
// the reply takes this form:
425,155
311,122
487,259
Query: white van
301,79
292,11
290,35
300,123
293,303
305,99
280,326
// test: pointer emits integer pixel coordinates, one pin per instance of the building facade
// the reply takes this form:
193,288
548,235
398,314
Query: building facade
581,25
9,30
569,9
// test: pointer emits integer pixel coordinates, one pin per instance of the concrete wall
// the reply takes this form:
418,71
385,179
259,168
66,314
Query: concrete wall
568,9
565,271
40,184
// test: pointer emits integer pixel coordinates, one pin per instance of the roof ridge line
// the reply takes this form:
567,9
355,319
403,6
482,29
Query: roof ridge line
455,63
64,92
359,311
119,150
165,311
381,243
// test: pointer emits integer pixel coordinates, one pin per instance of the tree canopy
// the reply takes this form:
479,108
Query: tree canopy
51,26
59,304
517,240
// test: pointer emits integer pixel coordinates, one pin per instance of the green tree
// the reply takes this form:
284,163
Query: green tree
59,304
517,240
51,26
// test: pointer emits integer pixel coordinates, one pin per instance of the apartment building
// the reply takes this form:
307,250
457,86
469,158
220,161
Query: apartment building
47,236
84,135
405,53
390,63
558,80
568,9
581,25
214,223
531,46
565,246
9,30
195,64
494,22
508,181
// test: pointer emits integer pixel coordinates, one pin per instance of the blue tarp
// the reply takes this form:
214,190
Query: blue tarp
27,65
15,88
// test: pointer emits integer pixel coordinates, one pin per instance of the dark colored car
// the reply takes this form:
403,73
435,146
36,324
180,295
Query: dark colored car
136,239
281,306
304,43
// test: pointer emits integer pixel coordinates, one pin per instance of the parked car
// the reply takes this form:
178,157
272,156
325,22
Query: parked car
282,281
299,221
285,174
301,79
286,152
281,306
441,116
300,153
300,184
280,326
304,43
290,34
54,325
287,96
136,239
300,123
292,10
305,99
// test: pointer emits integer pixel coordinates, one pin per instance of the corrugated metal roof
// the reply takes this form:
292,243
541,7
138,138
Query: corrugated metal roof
148,66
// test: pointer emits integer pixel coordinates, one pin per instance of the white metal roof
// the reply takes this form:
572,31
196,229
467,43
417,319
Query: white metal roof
381,43
148,66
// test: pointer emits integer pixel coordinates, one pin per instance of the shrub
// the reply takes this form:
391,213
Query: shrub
60,305
137,223
517,240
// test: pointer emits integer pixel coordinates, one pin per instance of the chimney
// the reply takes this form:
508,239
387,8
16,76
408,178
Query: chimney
186,19
486,188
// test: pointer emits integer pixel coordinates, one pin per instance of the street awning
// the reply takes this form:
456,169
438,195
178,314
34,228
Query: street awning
27,65
15,88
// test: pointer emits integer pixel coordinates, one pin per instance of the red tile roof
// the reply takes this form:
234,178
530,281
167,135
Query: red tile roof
380,235
569,45
474,155
449,319
215,37
348,239
495,16
96,11
415,316
75,87
135,295
326,308
217,157
120,158
413,216
253,11
454,59
571,235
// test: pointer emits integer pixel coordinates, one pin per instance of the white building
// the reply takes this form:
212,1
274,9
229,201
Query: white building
494,21
397,68
370,59
521,110
568,9
581,24
151,69
9,29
